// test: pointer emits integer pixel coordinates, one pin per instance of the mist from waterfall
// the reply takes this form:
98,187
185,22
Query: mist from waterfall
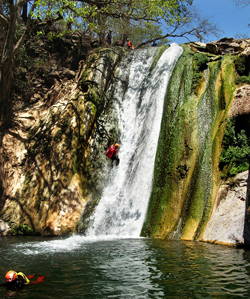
123,206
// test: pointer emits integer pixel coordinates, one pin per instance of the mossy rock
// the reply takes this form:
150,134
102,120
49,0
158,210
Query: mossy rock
22,230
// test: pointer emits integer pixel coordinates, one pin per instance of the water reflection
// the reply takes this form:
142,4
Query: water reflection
128,268
205,269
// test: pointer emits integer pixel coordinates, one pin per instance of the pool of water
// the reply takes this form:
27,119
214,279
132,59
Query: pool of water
78,267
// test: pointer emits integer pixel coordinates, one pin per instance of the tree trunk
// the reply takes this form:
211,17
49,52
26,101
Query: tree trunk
5,91
102,25
2,187
25,13
124,39
7,64
10,50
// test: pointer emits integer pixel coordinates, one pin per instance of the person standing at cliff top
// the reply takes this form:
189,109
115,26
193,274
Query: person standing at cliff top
129,44
109,38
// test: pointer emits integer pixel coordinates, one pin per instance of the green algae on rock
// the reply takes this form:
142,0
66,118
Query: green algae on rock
186,166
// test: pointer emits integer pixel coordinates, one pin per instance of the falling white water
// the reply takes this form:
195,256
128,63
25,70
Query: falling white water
123,206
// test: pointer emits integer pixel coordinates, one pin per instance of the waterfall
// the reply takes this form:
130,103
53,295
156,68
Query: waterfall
123,206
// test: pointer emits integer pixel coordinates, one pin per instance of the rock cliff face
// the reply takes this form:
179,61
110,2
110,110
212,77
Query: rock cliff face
224,46
189,145
227,224
229,221
51,161
53,167
187,176
41,188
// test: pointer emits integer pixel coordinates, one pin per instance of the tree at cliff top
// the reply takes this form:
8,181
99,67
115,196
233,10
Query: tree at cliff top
242,3
92,17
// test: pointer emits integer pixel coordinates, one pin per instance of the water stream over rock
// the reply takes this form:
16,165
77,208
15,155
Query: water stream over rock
123,206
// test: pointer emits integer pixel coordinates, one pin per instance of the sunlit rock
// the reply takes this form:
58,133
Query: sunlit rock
4,228
227,223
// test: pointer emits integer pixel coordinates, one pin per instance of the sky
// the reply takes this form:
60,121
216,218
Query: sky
232,19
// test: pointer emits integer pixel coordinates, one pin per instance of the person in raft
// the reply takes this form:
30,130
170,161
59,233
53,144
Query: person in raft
112,153
17,280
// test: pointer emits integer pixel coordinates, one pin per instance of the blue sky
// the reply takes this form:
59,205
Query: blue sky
232,19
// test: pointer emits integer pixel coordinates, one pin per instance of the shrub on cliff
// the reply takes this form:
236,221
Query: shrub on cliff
200,64
22,230
234,157
242,68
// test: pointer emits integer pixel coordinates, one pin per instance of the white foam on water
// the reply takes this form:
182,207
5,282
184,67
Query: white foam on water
61,245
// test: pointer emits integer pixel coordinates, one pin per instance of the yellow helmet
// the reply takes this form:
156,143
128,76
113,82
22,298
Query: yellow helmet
117,145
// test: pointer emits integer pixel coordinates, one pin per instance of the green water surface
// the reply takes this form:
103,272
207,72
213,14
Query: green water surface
78,267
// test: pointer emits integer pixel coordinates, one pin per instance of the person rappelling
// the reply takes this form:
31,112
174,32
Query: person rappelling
112,153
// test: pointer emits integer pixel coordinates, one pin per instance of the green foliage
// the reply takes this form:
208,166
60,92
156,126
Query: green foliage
22,230
196,79
28,178
51,35
221,95
200,63
85,75
234,157
23,58
39,33
141,20
243,79
242,70
240,65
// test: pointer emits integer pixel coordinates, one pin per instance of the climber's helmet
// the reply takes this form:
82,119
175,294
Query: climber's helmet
10,276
